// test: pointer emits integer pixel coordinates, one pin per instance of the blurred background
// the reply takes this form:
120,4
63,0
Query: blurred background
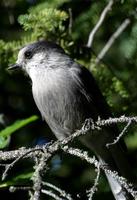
67,22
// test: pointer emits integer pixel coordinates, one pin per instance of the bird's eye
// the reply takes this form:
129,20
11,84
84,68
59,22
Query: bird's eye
28,54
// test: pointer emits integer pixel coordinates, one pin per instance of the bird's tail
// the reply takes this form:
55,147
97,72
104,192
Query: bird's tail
116,160
117,189
119,162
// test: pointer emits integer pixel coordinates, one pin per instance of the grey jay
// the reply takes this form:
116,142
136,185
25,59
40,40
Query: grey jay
66,94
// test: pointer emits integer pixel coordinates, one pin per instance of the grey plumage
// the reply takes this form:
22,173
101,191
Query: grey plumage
66,94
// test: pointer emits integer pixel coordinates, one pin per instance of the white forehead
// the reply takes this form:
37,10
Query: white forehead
21,53
37,56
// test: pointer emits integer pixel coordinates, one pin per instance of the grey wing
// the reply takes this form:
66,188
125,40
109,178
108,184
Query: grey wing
95,99
90,90
92,93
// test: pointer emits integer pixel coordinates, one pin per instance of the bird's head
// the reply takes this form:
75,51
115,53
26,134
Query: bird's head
39,56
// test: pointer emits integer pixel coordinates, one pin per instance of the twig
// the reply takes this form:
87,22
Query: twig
62,192
52,148
13,188
116,120
51,194
112,39
83,155
92,191
23,151
37,176
42,154
99,23
120,135
9,166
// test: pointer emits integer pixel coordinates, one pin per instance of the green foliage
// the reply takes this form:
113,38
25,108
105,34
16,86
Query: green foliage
44,22
119,88
131,141
116,88
4,142
8,52
9,130
17,125
130,44
17,180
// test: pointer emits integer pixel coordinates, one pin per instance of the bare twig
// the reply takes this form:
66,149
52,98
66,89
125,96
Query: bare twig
37,177
9,166
62,192
112,39
13,188
92,191
51,194
23,151
122,119
53,147
42,154
120,135
99,23
83,155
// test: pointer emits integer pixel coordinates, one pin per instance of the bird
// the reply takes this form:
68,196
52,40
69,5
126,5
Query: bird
66,94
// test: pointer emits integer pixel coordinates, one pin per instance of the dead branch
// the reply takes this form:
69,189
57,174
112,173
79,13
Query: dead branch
112,39
42,154
99,23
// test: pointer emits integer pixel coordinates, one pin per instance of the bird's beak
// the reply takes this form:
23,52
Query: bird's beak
14,67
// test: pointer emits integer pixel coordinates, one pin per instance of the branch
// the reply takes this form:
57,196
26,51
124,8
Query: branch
9,166
92,190
37,177
111,120
120,135
14,154
51,194
99,23
42,154
53,147
112,39
57,189
83,155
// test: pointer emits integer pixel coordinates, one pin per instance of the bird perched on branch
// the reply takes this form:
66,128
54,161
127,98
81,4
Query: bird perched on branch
66,94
